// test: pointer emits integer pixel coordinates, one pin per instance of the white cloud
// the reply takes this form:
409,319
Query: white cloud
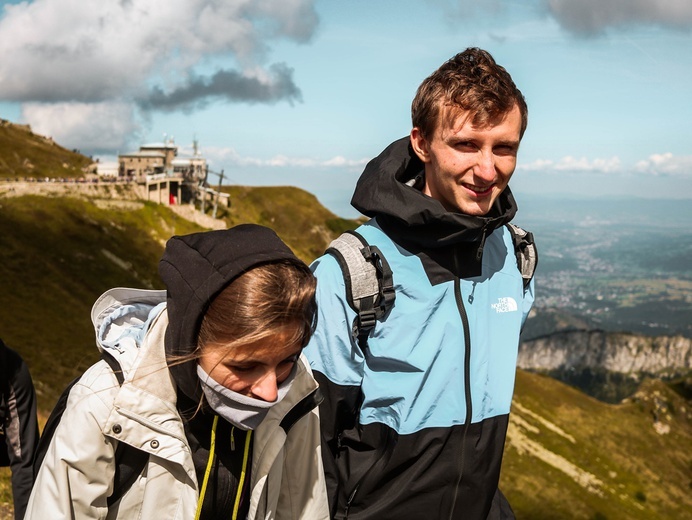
666,164
230,157
146,52
85,126
591,17
572,164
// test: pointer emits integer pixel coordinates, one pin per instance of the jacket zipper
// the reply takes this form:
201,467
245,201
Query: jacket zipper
467,380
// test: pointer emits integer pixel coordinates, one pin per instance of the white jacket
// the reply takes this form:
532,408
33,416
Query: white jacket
76,477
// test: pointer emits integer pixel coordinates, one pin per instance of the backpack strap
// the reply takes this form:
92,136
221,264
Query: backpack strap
369,282
525,251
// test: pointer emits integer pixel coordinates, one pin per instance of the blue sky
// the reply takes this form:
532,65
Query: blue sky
305,92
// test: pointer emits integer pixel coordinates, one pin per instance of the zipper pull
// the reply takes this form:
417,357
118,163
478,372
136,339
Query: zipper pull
473,290
232,439
479,252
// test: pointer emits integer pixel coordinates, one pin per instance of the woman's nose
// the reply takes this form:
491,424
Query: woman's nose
266,388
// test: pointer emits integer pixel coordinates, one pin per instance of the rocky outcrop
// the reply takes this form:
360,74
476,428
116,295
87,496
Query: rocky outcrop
631,354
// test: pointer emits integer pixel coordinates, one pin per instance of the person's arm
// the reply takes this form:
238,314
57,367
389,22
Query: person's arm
337,364
303,488
21,429
76,476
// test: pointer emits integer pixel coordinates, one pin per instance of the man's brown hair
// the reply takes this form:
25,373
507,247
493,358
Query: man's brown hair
471,81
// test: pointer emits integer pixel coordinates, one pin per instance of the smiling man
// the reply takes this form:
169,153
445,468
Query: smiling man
416,410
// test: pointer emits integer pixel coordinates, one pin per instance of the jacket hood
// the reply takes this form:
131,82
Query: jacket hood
389,189
121,317
195,269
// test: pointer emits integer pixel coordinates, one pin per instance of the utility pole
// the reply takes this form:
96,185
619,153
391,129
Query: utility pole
202,192
218,194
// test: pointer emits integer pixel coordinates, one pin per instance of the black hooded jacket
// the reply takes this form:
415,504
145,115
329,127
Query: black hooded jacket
390,191
414,423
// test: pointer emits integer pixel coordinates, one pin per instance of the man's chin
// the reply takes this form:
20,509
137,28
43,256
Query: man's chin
476,208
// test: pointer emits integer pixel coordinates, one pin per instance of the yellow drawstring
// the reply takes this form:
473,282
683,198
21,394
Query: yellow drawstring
242,475
210,464
207,472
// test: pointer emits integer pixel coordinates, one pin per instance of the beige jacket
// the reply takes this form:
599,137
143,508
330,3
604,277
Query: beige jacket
77,474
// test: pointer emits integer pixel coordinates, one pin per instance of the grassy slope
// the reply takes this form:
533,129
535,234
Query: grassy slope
569,456
25,154
57,256
296,215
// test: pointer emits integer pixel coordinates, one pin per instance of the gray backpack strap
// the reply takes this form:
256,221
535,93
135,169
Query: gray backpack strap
369,282
526,252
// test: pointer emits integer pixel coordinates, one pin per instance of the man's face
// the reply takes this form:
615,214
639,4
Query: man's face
467,167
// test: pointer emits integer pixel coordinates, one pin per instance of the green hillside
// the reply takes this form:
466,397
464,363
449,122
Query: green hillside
25,154
296,215
59,254
569,456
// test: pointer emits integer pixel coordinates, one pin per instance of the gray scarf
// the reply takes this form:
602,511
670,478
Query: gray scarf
242,411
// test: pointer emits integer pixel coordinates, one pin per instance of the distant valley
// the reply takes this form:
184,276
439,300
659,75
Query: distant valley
616,265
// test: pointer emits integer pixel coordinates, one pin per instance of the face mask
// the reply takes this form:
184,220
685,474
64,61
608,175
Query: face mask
241,411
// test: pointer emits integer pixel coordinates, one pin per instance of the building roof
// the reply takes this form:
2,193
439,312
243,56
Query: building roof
144,153
159,146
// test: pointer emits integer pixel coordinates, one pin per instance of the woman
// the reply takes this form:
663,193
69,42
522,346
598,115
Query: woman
215,391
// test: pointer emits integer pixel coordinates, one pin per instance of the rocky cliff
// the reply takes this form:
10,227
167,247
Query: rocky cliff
628,354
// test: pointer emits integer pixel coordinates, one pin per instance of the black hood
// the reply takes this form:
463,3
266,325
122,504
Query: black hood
196,268
413,218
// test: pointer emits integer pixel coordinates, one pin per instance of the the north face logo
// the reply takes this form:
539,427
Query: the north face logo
506,304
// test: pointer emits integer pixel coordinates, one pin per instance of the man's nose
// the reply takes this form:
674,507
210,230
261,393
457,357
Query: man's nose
485,168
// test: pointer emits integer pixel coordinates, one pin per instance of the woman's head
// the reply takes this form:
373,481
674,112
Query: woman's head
254,330
246,279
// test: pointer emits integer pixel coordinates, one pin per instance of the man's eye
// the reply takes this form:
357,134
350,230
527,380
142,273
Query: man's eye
505,150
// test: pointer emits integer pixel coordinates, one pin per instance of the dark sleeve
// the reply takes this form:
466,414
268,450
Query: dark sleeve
338,413
21,429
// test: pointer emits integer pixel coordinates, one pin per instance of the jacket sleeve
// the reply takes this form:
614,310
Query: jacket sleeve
527,302
303,488
76,476
21,429
337,363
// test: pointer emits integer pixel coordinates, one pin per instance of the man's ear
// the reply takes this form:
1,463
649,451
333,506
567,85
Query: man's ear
420,145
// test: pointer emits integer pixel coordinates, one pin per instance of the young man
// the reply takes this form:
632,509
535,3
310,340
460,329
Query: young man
414,422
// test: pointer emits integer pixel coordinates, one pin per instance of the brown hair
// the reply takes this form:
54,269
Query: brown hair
471,81
263,301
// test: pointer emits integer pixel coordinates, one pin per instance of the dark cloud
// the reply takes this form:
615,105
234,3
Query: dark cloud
228,85
593,17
